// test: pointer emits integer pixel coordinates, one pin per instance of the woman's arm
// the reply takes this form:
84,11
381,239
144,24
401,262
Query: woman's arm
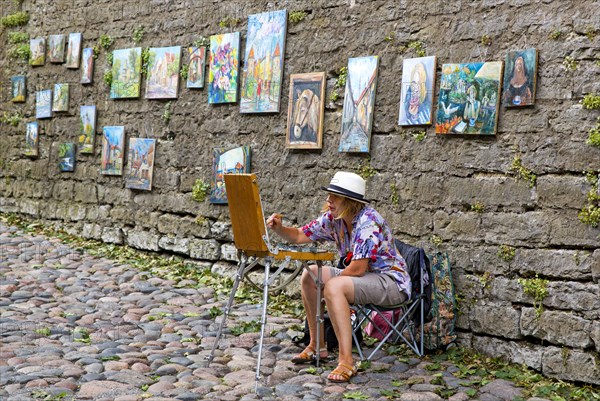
356,268
290,234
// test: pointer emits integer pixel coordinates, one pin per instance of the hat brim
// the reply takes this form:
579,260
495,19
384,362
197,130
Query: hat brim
346,194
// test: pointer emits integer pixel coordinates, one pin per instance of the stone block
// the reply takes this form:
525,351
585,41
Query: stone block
495,318
221,230
142,240
557,263
85,193
229,253
572,365
559,328
595,335
458,227
224,269
559,191
575,296
519,229
567,231
146,218
205,249
515,351
183,225
122,215
595,265
112,235
114,196
177,245
93,231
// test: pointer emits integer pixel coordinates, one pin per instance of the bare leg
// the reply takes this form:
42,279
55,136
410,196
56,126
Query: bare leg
339,294
309,299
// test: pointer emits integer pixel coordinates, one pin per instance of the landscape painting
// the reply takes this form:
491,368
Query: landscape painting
37,47
416,93
60,100
196,66
87,128
234,161
469,98
305,111
224,68
56,48
66,157
43,103
126,73
359,103
162,79
113,150
263,62
19,88
87,63
520,72
141,163
74,50
31,139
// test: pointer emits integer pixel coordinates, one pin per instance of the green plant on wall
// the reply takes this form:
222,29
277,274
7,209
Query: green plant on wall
109,58
555,34
591,101
138,34
478,207
418,48
145,60
184,71
365,170
436,240
108,77
591,32
594,135
201,41
200,190
590,214
296,16
104,43
570,64
11,118
506,253
394,197
340,83
229,22
13,20
167,114
419,136
537,288
19,51
486,40
520,172
18,37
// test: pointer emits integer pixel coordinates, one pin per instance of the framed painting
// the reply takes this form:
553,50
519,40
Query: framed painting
113,150
196,67
56,48
66,157
305,111
19,88
31,139
224,68
74,50
126,72
87,63
87,129
140,159
416,94
359,103
43,103
60,100
37,47
263,62
162,79
233,161
520,78
469,98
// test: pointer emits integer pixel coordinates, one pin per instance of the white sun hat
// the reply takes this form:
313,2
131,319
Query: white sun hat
348,185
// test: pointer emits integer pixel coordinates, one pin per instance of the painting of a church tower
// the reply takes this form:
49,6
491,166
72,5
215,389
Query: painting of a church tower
262,74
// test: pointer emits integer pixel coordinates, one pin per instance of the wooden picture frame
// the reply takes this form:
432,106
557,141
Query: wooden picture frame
306,110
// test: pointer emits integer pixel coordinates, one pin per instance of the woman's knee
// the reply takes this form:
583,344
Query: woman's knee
308,276
339,286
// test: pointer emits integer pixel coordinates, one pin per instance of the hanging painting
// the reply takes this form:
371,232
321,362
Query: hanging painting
469,98
37,48
359,103
234,161
224,68
141,163
126,71
66,157
416,94
113,150
87,63
18,88
87,128
520,72
56,48
263,62
43,103
195,78
305,111
162,79
31,139
60,99
74,50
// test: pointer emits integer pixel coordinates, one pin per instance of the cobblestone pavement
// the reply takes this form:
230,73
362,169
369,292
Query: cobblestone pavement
77,327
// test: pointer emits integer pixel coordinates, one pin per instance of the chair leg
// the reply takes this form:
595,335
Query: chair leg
263,319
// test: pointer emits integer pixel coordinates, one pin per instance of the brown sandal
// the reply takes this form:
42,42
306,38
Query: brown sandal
308,355
344,371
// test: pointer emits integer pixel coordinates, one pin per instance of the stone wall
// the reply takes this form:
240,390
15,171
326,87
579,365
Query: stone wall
438,179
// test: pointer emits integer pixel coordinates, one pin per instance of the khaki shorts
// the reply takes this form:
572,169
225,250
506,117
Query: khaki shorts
375,288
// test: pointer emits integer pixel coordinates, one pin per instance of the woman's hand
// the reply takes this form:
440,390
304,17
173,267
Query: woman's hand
274,222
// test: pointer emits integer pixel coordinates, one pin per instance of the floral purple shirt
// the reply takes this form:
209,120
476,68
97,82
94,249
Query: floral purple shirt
371,239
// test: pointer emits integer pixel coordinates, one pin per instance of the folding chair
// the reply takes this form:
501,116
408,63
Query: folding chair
412,312
252,241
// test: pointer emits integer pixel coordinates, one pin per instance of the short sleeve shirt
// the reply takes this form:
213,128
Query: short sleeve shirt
371,239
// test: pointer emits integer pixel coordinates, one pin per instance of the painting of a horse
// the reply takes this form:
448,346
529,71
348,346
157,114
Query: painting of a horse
305,111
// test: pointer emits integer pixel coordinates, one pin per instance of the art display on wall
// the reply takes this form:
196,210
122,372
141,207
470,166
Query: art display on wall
359,103
233,161
60,99
126,73
87,64
43,103
37,47
416,94
140,159
263,62
87,128
224,68
31,139
305,111
66,157
74,50
469,98
56,48
19,88
162,80
520,78
196,67
113,150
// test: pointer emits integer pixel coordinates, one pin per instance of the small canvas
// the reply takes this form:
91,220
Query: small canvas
263,62
31,139
56,48
43,103
162,81
224,67
141,163
195,78
60,100
87,128
87,63
74,50
520,72
469,98
37,47
113,150
126,73
416,94
234,161
19,88
359,103
305,111
66,157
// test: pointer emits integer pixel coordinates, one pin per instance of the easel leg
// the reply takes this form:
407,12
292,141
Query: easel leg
319,318
263,320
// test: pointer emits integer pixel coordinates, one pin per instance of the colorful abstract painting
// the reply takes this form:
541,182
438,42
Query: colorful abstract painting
140,159
37,47
263,62
74,50
56,48
359,103
520,78
60,99
416,94
469,98
87,64
162,81
126,73
43,103
66,157
224,68
305,111
31,139
196,66
87,128
19,88
113,150
234,161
